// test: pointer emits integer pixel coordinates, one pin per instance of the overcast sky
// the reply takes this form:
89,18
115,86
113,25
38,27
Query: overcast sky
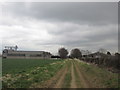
49,26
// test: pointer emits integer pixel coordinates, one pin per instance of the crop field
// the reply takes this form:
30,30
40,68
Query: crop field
20,73
69,73
20,65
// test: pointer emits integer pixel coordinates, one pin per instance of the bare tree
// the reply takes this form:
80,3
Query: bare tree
16,47
102,50
63,53
75,53
108,53
117,54
85,52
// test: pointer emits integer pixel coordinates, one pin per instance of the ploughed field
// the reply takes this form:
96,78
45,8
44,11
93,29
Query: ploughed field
53,73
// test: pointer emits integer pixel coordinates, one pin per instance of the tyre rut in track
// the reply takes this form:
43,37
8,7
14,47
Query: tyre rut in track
73,81
52,81
61,79
57,80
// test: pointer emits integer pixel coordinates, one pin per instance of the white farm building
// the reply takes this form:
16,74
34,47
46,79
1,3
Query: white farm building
12,52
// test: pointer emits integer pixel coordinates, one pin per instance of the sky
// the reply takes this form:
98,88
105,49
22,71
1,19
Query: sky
48,26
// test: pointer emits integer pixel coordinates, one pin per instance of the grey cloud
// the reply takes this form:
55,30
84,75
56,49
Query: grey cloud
106,37
47,26
85,13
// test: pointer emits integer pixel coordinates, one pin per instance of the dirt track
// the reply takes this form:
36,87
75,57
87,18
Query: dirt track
61,79
73,81
58,80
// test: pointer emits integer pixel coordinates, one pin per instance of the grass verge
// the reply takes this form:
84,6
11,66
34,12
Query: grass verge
99,77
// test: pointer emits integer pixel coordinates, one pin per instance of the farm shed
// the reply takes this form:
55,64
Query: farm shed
11,53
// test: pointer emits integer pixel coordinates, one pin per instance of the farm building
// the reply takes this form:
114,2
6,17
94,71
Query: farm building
97,55
12,52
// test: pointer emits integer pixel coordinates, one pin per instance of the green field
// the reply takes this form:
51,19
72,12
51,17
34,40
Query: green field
21,73
18,65
69,73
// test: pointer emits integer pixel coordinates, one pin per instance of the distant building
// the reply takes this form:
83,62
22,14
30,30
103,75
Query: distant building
97,55
9,52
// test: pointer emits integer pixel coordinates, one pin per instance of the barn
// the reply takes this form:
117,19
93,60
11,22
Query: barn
12,52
